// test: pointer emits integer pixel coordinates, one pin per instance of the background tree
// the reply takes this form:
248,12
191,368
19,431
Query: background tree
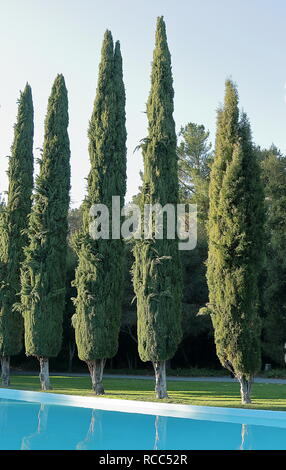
14,224
195,158
236,242
99,275
157,268
43,274
75,220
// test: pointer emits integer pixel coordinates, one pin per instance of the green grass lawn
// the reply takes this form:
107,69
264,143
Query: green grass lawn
265,396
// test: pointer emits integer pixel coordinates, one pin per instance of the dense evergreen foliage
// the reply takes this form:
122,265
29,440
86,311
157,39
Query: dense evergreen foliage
99,276
14,238
164,327
157,268
3,232
43,274
274,299
236,241
195,158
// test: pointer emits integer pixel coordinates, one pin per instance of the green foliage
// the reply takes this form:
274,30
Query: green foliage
274,321
157,267
14,223
236,241
195,160
75,220
120,135
43,274
195,285
99,275
3,237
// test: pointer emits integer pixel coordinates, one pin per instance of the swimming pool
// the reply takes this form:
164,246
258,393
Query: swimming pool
40,421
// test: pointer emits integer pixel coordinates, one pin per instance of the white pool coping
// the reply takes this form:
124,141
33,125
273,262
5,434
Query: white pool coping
209,413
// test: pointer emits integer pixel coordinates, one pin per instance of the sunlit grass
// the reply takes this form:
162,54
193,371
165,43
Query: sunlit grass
265,396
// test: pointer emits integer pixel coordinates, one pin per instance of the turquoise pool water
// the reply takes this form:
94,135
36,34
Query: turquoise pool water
32,425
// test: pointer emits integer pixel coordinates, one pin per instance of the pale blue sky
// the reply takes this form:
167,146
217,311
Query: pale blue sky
209,40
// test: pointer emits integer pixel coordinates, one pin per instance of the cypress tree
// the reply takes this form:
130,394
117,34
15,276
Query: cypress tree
236,242
120,126
274,294
99,275
20,173
43,272
157,269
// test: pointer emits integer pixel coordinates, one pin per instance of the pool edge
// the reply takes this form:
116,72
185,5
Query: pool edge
234,415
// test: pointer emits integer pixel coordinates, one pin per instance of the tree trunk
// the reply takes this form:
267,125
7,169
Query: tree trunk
44,373
96,372
71,355
160,377
5,370
245,389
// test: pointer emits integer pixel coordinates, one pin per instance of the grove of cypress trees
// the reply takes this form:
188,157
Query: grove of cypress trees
13,226
157,269
43,272
99,275
236,240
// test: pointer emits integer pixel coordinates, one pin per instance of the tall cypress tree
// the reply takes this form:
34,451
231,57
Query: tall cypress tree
43,271
157,269
274,295
99,275
20,173
236,240
120,126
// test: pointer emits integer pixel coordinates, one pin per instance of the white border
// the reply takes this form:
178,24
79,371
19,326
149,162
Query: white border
209,413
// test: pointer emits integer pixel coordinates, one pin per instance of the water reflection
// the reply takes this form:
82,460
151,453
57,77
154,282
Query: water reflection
3,417
27,441
246,437
94,434
160,432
